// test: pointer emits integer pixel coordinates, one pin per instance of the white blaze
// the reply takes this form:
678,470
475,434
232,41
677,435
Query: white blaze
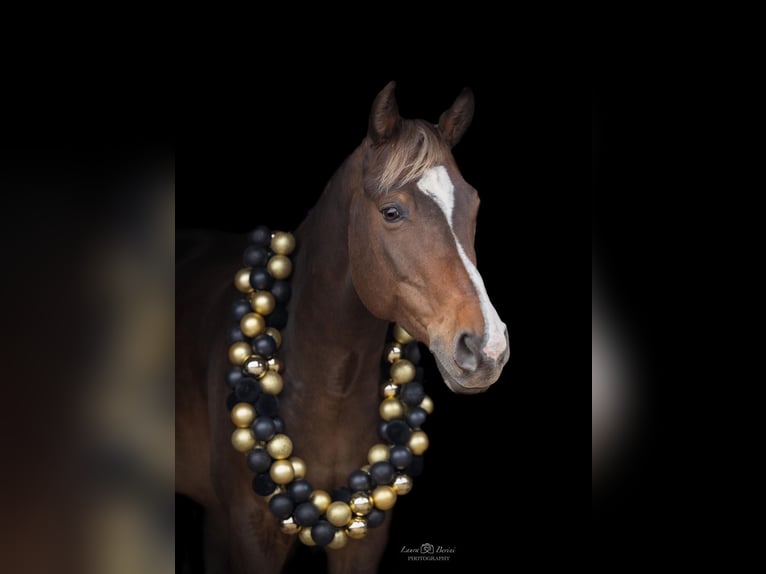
437,184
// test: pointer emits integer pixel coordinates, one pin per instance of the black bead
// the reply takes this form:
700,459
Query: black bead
359,480
239,308
247,390
411,352
263,428
416,417
299,490
267,405
235,335
322,533
255,256
258,460
306,514
416,466
281,291
412,394
281,505
400,457
383,430
261,235
233,376
278,317
260,279
264,346
263,485
398,432
383,472
231,400
279,425
375,518
341,493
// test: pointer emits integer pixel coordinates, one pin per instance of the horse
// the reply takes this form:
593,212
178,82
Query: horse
390,240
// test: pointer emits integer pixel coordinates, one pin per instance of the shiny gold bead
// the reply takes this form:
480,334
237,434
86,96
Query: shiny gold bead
338,513
239,352
274,333
339,540
384,497
277,490
275,364
391,409
279,267
282,243
299,467
262,302
427,405
357,528
402,371
360,503
305,536
280,447
389,390
242,280
271,383
252,324
243,440
377,453
393,352
418,442
321,499
281,472
255,366
402,484
401,335
289,526
365,468
243,415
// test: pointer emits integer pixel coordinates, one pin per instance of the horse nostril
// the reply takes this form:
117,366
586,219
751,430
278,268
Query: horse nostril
467,351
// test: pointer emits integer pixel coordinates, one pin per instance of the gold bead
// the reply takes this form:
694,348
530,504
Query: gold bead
389,390
393,352
321,499
274,333
275,364
299,467
271,383
427,405
277,490
279,267
339,540
243,440
239,352
243,415
256,366
418,442
242,280
391,409
305,536
401,335
384,497
402,371
377,453
282,243
280,447
252,324
262,302
402,484
338,513
360,503
357,528
365,468
289,526
281,472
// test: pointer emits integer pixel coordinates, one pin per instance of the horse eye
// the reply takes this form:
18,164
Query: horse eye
391,213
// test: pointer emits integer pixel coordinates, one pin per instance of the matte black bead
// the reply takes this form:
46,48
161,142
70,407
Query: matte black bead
411,352
281,505
233,376
260,279
278,317
279,425
299,490
412,394
264,346
341,493
383,430
416,466
255,256
398,432
235,335
306,514
400,456
263,428
258,460
322,533
262,484
359,480
375,518
239,308
416,417
267,405
281,291
383,472
231,400
261,235
247,390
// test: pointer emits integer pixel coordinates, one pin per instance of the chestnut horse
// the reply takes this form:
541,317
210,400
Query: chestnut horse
390,240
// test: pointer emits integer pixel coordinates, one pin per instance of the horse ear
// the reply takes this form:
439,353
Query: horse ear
455,121
384,117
